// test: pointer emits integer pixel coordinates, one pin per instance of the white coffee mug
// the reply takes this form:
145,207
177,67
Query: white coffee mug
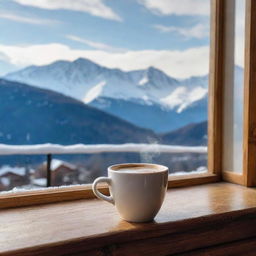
137,190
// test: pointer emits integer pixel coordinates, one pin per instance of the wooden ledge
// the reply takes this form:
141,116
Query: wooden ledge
191,218
71,193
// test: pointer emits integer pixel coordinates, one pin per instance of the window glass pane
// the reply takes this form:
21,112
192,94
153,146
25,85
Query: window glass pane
118,72
233,104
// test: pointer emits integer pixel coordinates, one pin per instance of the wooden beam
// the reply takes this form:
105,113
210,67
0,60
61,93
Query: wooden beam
191,179
215,107
49,195
249,147
233,177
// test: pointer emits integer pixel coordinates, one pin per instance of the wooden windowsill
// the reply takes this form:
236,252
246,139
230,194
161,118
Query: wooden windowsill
71,193
191,218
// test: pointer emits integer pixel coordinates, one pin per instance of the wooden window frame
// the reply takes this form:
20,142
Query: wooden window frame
215,121
228,75
248,175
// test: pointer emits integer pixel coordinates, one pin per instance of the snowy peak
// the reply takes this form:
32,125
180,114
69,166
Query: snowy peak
83,62
144,80
196,81
94,92
86,66
158,77
86,81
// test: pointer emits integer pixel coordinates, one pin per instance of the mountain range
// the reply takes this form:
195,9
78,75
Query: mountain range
31,115
82,95
147,98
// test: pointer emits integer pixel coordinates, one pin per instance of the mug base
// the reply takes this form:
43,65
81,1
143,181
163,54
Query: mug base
138,221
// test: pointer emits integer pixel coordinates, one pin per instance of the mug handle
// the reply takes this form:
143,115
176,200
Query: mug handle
99,194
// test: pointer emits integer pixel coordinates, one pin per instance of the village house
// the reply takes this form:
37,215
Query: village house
11,177
62,173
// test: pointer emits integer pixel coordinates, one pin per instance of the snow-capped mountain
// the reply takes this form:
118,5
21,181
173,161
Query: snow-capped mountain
86,81
147,98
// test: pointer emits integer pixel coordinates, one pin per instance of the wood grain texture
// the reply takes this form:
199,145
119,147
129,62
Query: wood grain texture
249,147
71,193
215,105
191,179
191,218
238,248
237,178
50,195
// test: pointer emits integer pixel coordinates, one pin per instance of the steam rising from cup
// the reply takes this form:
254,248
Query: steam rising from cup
148,157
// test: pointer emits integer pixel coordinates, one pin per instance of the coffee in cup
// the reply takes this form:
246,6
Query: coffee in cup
137,190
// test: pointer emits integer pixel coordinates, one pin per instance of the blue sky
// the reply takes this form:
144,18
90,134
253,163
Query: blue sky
172,35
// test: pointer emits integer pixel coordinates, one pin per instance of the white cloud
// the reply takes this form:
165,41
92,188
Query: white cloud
96,45
178,7
93,7
23,19
198,31
178,64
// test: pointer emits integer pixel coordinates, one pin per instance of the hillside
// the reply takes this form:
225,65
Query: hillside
194,134
30,115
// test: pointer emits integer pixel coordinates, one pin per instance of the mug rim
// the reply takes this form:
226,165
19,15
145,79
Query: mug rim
117,167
